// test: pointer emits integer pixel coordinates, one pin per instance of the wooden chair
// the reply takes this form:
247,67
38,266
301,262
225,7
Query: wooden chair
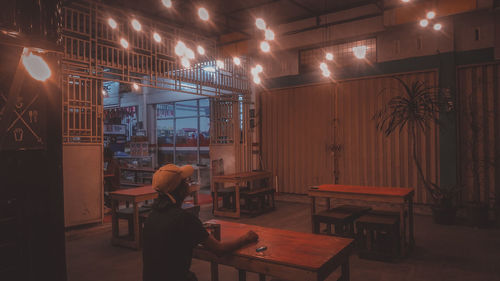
378,235
342,218
127,213
228,194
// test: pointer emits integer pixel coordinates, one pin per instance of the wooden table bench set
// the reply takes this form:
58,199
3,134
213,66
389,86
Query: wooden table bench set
291,255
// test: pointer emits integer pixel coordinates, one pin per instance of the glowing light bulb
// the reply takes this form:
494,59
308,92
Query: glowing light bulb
256,79
323,66
185,62
167,3
104,93
189,54
236,60
254,71
359,51
259,68
260,23
406,1
180,49
200,50
203,14
438,26
269,34
136,25
424,23
36,66
329,56
136,87
112,23
157,37
264,46
220,64
326,73
431,15
124,43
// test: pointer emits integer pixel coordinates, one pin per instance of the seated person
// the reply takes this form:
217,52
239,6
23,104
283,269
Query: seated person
170,233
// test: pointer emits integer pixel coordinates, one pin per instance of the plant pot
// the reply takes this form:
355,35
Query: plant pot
444,215
477,215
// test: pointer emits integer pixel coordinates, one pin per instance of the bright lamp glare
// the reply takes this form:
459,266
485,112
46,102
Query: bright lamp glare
104,93
326,73
180,49
200,50
323,66
157,37
136,25
256,79
36,66
112,23
438,26
264,46
260,23
431,15
167,3
269,34
360,51
185,62
329,56
406,1
259,68
189,54
424,23
203,14
124,43
136,87
236,60
220,64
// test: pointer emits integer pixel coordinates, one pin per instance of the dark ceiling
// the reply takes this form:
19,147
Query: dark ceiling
228,16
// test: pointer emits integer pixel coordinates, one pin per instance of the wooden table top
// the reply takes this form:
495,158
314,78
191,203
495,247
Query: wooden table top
296,249
145,190
364,190
139,169
243,176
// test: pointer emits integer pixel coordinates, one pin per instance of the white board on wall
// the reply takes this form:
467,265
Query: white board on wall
83,184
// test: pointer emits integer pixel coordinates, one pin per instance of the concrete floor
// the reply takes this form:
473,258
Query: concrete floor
443,252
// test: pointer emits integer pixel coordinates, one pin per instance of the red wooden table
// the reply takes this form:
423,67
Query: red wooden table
290,255
135,196
401,196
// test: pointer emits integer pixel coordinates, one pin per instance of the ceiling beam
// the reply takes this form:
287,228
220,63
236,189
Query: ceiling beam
303,7
251,7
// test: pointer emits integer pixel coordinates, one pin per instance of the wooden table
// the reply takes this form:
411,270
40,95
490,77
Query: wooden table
135,196
401,196
136,172
239,180
290,255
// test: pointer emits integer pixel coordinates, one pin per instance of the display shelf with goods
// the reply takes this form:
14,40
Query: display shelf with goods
135,170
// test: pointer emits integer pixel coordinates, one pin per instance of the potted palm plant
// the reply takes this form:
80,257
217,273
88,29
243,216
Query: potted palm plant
415,109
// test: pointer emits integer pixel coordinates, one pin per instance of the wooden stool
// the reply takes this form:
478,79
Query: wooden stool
341,217
257,201
127,213
378,236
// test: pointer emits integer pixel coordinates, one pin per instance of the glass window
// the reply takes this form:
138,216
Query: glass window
165,132
186,108
186,132
205,107
204,131
165,156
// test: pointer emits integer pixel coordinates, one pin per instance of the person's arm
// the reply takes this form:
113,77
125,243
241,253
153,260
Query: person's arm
222,248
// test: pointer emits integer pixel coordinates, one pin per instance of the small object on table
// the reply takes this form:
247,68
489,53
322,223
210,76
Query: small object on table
261,249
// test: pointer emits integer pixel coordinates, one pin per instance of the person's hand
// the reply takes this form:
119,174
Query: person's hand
251,237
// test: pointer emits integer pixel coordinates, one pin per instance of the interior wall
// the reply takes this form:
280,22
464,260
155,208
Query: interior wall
479,132
301,125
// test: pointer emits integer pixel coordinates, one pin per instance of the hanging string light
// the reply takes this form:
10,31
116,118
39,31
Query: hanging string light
260,23
112,23
269,34
203,14
157,37
360,51
236,61
329,56
180,48
200,50
220,64
167,3
124,43
136,25
264,46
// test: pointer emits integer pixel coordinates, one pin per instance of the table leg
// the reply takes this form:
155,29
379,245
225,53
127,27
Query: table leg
410,222
237,198
115,230
345,275
242,275
137,240
262,277
402,230
214,270
327,201
313,211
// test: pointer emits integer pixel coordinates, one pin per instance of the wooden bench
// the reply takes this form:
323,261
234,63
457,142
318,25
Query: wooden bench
342,218
378,235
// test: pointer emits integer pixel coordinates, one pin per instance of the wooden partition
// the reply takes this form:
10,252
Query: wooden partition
302,128
479,132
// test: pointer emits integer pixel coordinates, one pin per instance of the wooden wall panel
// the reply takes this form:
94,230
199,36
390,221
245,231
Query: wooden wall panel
479,132
300,124
296,132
